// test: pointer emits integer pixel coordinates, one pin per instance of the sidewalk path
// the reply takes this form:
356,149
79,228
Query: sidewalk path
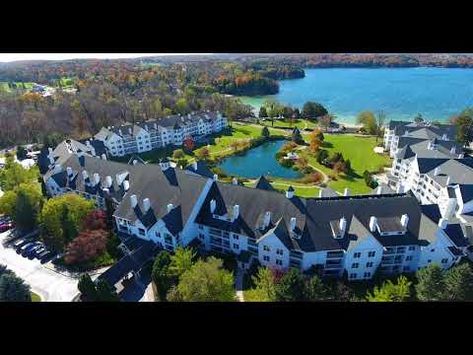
239,285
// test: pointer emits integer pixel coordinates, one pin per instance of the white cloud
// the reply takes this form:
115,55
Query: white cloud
11,57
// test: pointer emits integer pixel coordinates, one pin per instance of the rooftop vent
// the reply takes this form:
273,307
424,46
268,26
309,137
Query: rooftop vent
126,185
133,201
96,178
404,220
146,204
170,206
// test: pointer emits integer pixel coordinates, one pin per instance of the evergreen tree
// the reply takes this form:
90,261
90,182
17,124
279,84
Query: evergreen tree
25,212
262,112
314,289
391,292
291,286
87,288
459,283
13,289
181,261
431,284
265,132
160,274
105,293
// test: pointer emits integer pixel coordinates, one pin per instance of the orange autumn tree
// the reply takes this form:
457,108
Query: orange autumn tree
188,143
316,139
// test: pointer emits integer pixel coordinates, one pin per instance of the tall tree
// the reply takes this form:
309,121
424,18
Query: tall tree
206,281
181,261
430,283
265,285
314,289
464,124
160,274
391,292
313,110
368,120
290,286
87,288
265,132
459,283
13,289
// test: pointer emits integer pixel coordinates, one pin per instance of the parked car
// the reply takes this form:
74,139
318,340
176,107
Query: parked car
18,243
27,244
28,249
41,254
38,251
48,257
4,226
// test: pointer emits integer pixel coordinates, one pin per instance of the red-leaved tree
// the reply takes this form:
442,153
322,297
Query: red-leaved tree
188,143
86,246
97,219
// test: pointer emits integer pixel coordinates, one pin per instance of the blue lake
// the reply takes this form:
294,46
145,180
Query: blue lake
258,161
436,93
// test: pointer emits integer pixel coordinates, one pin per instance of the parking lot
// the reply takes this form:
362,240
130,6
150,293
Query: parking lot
49,284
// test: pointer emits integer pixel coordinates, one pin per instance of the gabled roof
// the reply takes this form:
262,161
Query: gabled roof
263,184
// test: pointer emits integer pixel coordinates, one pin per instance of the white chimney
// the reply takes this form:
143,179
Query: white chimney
215,177
400,188
404,220
373,223
126,185
194,165
448,180
69,171
444,137
129,130
85,175
234,181
108,181
133,201
443,223
87,143
120,132
105,191
379,190
236,211
155,125
96,179
343,226
213,205
51,159
450,209
293,224
267,219
135,162
104,157
170,207
461,156
436,171
146,204
453,150
346,192
290,192
50,150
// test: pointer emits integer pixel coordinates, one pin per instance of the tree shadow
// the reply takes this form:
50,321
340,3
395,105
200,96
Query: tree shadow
326,144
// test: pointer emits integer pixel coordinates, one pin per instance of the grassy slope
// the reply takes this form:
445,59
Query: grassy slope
359,150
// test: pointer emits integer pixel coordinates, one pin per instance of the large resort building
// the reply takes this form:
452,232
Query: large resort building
431,164
348,235
172,130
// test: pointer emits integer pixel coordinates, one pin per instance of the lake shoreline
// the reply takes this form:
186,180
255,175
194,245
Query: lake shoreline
437,93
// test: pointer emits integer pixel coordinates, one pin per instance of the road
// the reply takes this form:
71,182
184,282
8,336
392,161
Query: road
47,283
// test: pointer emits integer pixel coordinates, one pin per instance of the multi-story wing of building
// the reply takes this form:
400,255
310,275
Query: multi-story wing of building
434,169
355,235
153,134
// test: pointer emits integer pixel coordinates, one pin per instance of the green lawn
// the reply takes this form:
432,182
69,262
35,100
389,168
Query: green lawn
4,86
359,150
35,297
299,123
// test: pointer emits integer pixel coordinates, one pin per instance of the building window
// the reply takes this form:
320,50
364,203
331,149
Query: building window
369,264
279,251
266,258
353,276
235,236
357,255
141,231
371,254
432,250
201,226
412,248
409,258
278,262
266,248
201,236
367,274
158,234
355,265
429,261
236,246
444,261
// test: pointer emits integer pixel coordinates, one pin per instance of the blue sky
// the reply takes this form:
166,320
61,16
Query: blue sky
11,57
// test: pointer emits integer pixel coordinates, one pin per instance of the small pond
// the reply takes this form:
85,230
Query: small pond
258,161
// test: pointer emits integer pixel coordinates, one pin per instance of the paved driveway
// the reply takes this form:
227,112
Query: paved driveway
47,283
